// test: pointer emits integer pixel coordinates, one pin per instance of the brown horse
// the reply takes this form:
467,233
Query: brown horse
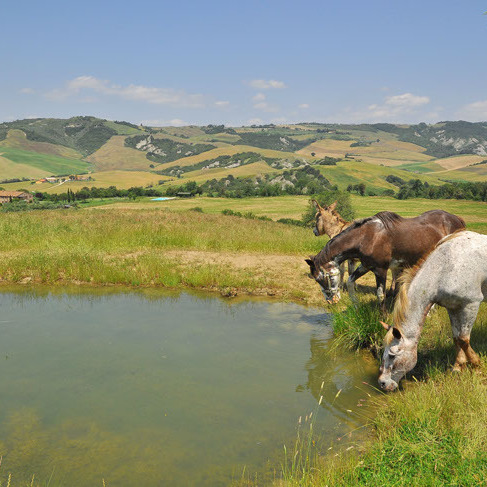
385,240
330,222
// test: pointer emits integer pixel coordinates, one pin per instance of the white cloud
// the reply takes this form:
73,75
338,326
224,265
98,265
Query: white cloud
175,122
148,94
266,107
27,91
396,108
475,112
222,103
262,84
407,100
258,97
303,105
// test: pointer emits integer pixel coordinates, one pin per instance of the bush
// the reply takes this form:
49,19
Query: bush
344,206
291,221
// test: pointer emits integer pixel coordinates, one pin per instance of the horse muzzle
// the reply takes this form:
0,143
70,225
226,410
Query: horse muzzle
388,385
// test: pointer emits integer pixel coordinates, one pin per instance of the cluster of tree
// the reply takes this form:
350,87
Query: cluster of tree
395,180
357,188
306,180
327,161
364,143
89,193
217,129
13,180
415,188
272,141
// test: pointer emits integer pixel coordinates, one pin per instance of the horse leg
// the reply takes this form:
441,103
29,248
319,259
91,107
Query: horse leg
462,320
351,267
461,358
394,284
342,275
380,280
358,272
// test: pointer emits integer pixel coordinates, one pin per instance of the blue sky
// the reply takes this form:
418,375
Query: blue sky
162,63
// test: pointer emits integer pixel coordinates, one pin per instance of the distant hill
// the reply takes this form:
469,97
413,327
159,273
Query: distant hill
345,154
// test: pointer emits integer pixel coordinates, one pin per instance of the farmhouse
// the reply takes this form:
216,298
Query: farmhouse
8,196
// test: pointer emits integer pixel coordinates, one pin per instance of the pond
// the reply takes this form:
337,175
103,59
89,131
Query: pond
165,388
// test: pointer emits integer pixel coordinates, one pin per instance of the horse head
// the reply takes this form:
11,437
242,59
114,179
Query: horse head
328,277
324,218
400,356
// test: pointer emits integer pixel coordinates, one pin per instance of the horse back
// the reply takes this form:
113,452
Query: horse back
414,238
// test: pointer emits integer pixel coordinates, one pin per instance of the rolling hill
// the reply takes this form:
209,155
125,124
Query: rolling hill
124,154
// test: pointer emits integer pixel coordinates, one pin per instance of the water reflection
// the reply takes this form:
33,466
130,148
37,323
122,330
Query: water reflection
155,389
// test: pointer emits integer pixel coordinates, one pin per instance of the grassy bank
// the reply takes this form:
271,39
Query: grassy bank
433,432
228,254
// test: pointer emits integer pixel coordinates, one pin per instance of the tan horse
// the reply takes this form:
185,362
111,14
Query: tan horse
329,222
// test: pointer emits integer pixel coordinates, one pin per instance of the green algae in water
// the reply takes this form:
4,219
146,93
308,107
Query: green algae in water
163,389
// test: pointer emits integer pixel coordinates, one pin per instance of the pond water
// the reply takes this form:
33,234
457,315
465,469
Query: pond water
165,389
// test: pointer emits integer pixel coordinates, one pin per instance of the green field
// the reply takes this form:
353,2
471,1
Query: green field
48,164
166,244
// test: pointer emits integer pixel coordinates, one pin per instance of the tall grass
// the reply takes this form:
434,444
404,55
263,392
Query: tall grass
358,326
118,230
431,433
157,248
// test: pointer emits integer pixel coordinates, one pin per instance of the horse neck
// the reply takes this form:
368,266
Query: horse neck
337,225
420,298
337,246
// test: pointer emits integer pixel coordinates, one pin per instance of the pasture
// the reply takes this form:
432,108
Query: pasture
149,245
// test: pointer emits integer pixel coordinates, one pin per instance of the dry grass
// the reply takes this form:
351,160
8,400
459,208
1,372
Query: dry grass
115,156
459,162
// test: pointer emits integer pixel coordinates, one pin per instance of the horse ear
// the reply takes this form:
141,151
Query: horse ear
396,333
317,205
333,205
385,325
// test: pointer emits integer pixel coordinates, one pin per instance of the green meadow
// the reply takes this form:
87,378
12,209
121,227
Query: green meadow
49,164
431,432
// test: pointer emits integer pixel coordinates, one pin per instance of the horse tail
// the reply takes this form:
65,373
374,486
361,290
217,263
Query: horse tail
462,224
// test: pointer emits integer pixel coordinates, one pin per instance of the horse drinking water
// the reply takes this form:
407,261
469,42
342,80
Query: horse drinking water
379,242
454,275
329,222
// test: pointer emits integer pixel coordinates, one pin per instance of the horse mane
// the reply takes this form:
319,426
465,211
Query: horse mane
339,217
389,219
402,300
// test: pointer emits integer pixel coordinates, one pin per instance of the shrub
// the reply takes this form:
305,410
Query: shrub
344,206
